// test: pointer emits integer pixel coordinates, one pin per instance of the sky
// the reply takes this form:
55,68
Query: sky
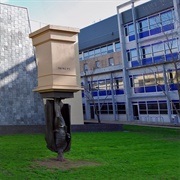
71,13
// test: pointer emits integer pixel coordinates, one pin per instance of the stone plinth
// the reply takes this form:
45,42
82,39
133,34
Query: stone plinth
57,58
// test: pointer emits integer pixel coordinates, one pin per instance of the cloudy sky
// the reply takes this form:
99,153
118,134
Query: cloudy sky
72,13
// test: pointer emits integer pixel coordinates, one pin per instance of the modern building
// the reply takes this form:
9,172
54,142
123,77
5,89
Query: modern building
130,64
18,73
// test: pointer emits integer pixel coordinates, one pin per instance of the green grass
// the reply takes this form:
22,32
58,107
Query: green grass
136,153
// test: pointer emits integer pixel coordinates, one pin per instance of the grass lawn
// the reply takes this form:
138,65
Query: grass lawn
136,153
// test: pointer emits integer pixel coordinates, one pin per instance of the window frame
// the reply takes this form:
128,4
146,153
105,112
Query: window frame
110,48
97,64
121,108
117,46
85,67
158,49
111,61
166,21
143,27
154,21
102,85
139,83
149,81
146,52
129,29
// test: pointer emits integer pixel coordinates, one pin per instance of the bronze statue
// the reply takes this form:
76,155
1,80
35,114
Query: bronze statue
60,129
58,135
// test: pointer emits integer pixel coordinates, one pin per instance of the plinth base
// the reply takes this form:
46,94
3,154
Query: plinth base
57,94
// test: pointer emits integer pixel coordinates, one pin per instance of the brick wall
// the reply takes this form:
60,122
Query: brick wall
103,61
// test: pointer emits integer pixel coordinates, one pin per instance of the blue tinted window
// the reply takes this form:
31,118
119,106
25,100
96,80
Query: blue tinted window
104,50
166,18
143,25
154,22
80,56
110,48
146,52
86,55
158,49
130,30
117,46
171,46
91,54
133,54
97,52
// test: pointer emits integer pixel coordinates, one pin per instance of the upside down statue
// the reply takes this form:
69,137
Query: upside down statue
58,135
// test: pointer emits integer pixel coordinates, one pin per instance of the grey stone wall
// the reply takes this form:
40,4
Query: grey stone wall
18,71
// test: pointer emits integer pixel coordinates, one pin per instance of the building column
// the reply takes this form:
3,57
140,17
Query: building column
177,18
113,99
86,101
135,31
126,80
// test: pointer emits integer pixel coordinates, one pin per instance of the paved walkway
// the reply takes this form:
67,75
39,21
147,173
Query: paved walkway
139,123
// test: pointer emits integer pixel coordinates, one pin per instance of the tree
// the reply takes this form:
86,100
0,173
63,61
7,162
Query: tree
92,87
171,58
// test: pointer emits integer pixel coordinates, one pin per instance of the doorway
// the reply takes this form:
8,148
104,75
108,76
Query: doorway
92,112
135,112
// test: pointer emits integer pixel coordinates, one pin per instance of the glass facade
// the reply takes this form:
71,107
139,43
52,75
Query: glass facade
153,107
157,23
157,107
102,87
154,82
146,83
107,108
154,53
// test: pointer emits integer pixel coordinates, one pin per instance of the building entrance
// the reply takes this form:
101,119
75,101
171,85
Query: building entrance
135,112
92,112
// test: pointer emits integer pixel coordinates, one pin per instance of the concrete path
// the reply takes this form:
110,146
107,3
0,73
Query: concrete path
138,123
